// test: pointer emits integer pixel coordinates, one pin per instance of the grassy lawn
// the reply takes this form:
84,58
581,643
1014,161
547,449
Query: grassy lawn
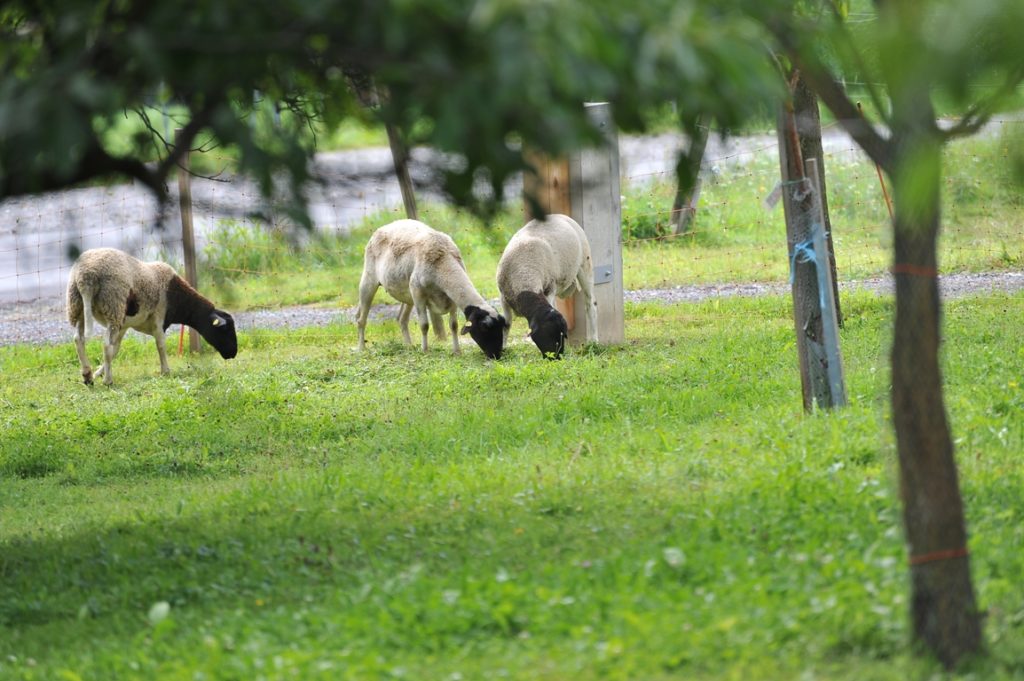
661,509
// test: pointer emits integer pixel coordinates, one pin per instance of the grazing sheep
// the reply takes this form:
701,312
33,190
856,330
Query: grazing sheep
423,269
121,293
544,259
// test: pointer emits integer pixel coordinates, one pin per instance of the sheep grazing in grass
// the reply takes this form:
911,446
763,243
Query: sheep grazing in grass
544,259
121,292
423,269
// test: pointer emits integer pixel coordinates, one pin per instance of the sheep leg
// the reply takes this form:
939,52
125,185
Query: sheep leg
161,348
367,290
453,324
506,309
424,317
586,286
422,313
111,346
83,358
404,312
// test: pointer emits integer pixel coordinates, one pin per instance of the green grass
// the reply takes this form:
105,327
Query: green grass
734,238
660,509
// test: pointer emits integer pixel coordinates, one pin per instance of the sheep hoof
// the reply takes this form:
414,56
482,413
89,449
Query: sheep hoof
87,377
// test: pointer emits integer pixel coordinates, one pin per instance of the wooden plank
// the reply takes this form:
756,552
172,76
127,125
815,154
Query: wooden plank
551,187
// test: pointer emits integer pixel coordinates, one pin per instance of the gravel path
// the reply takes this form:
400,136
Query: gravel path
43,321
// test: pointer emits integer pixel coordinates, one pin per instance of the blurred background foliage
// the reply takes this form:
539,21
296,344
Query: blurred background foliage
81,81
476,78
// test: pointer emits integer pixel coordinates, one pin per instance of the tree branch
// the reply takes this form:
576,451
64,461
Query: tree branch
141,111
876,146
184,143
858,60
981,113
96,163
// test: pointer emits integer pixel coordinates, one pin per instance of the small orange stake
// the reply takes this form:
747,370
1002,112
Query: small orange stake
881,180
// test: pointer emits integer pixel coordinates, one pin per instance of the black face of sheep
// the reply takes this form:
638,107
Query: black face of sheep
549,331
219,331
486,329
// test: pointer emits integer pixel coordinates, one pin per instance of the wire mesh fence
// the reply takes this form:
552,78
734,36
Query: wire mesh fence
41,235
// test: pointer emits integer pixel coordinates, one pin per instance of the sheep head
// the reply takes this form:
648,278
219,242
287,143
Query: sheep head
219,331
487,329
548,331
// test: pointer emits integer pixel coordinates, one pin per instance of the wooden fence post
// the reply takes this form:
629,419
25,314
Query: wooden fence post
551,189
586,187
597,207
807,120
821,376
188,242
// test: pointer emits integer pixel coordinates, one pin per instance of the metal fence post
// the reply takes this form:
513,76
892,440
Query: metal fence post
826,289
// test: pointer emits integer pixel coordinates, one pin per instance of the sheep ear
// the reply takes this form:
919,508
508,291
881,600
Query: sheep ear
217,320
465,329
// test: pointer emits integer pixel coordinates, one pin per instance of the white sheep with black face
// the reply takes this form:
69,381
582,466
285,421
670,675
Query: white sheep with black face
121,292
543,259
422,268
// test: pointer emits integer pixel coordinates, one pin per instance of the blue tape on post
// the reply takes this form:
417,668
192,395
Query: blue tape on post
803,252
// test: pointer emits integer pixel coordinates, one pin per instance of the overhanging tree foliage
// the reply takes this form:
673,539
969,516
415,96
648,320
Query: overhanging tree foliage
477,78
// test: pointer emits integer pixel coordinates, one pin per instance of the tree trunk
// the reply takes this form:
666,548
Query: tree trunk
808,128
400,156
943,611
688,178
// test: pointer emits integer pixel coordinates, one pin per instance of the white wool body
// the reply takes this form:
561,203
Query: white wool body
120,292
422,268
544,259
